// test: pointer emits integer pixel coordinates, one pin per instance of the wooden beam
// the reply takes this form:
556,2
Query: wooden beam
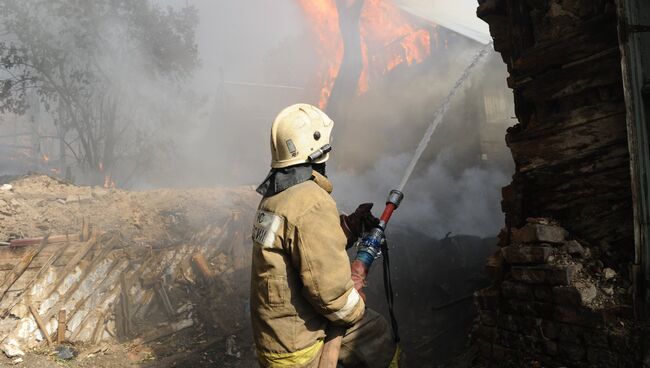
159,288
38,275
125,306
201,264
21,267
40,324
72,263
108,247
99,329
60,331
16,243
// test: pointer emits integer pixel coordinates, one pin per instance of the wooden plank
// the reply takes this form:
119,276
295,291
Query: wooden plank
36,277
116,265
72,263
164,331
62,326
99,328
85,230
201,264
9,262
40,324
17,243
75,285
125,306
20,268
163,298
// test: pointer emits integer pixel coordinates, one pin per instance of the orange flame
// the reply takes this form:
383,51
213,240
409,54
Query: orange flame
389,38
325,21
46,158
108,183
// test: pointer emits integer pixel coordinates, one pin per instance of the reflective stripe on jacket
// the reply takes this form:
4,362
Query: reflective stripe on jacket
300,277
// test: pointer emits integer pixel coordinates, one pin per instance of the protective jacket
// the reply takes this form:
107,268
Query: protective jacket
300,274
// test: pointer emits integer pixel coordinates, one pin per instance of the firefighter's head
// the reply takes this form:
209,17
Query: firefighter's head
300,134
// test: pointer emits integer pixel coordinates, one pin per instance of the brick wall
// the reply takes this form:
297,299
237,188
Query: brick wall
554,304
562,291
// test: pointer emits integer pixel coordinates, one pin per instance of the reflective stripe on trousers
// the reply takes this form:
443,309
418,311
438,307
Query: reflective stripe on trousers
295,359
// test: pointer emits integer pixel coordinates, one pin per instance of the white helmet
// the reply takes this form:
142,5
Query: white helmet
300,134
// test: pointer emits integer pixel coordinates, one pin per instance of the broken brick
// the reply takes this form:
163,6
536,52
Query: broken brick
516,290
539,233
551,275
519,255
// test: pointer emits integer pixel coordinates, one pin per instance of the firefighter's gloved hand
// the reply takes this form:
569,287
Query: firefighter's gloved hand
359,221
358,273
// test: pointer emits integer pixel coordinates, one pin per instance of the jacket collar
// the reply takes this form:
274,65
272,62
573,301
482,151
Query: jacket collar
322,181
279,180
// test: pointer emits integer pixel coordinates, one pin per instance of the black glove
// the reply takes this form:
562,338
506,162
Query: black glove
360,221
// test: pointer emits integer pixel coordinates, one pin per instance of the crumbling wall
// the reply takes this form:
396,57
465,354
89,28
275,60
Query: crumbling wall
551,303
555,303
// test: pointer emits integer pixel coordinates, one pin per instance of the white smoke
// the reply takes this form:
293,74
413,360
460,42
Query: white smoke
436,200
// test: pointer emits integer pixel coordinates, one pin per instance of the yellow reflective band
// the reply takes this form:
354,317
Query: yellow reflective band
297,358
395,362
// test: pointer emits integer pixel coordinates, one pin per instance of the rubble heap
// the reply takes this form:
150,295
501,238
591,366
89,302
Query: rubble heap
84,265
554,303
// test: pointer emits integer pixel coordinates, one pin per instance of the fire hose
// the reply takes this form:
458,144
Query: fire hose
371,246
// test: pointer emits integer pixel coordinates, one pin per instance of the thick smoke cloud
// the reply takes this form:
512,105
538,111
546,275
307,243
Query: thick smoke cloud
437,201
258,57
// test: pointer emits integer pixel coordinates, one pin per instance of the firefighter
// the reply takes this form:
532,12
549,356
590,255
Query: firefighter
301,279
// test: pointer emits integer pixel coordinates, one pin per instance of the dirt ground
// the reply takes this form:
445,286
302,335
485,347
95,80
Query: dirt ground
211,354
34,205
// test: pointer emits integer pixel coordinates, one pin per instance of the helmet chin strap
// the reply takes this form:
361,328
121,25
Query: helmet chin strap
319,168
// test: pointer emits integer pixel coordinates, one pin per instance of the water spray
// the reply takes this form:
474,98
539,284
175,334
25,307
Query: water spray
373,243
369,247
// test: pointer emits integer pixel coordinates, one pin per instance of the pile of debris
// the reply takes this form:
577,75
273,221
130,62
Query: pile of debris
83,265
553,301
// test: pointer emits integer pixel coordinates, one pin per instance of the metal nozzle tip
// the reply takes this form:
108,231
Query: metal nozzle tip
395,197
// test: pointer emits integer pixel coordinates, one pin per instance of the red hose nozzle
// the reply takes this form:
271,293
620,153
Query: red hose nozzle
394,199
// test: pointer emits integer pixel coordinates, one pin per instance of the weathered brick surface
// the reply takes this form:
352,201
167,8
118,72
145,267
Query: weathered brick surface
572,352
539,312
570,146
599,356
526,254
578,316
488,298
553,275
517,290
538,233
